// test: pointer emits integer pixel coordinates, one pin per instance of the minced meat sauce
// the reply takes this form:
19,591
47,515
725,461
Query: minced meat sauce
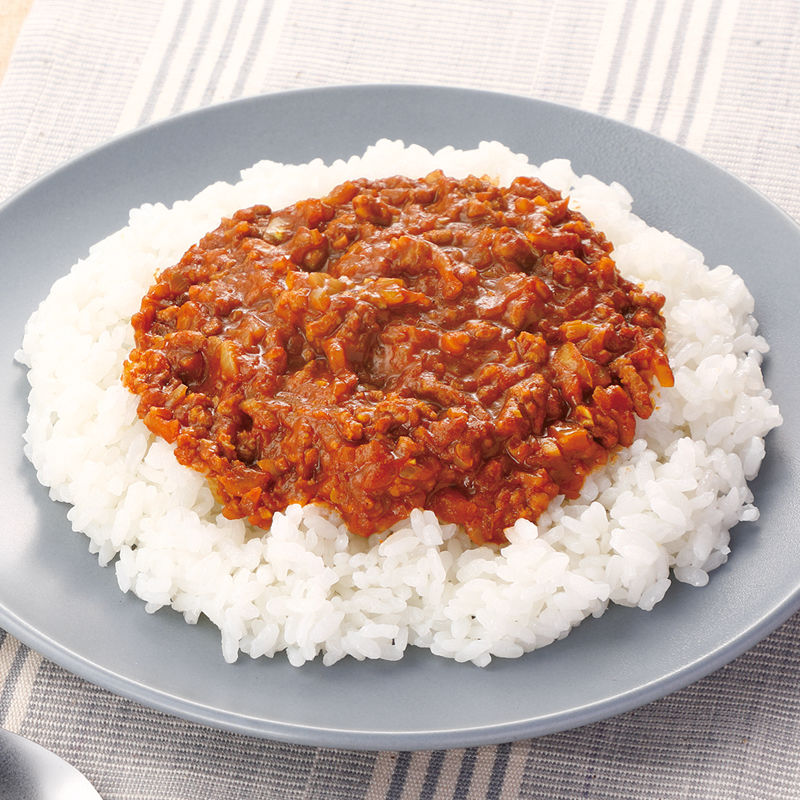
434,343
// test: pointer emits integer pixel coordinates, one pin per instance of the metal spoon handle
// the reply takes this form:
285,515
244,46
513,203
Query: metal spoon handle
30,772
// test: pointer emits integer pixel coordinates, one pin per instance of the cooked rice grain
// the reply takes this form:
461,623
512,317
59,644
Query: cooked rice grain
306,586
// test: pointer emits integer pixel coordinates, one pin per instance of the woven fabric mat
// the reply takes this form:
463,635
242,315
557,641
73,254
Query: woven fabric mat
717,76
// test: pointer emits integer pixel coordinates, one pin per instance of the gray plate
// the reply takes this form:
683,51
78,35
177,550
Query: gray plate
54,597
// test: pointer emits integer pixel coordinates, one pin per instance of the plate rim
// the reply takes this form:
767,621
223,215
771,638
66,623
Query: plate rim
369,740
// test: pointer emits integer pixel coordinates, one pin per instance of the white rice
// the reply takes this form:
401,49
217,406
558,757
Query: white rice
307,587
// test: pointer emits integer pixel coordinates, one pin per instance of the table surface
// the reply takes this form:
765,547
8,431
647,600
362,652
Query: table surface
12,15
716,76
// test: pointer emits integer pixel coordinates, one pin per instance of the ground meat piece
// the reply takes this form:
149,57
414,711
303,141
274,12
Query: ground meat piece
399,343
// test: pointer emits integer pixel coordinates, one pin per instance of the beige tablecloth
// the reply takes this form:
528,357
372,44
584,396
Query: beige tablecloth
721,77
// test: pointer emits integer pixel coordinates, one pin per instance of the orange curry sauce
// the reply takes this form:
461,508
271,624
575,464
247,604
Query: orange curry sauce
435,343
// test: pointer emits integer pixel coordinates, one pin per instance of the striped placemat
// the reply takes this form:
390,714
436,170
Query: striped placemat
717,76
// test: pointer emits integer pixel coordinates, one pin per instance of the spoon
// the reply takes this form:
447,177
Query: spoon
29,772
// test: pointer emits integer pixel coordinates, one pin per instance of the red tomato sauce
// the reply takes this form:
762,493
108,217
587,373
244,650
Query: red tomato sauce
400,343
